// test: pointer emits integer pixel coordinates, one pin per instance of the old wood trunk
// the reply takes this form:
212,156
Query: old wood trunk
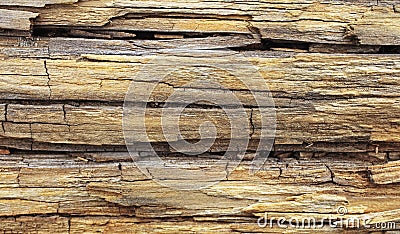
332,69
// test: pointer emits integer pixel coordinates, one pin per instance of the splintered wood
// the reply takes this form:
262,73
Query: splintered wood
331,67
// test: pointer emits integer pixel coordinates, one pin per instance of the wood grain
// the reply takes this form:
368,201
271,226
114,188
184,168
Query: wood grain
331,67
95,192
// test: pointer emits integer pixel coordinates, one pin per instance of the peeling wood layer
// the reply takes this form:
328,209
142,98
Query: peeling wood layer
336,22
100,194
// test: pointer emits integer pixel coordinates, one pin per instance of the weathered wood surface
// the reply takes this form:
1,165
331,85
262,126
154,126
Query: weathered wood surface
318,98
113,189
329,22
332,68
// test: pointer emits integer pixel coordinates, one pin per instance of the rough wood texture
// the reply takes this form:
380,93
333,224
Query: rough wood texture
332,68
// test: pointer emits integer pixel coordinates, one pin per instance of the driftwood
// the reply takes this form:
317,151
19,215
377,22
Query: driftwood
332,68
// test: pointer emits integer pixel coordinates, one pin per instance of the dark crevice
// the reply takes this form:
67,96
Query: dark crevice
101,33
75,103
64,113
298,45
48,78
250,47
6,112
230,17
356,48
55,152
264,45
369,176
390,49
252,124
163,150
331,174
202,105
